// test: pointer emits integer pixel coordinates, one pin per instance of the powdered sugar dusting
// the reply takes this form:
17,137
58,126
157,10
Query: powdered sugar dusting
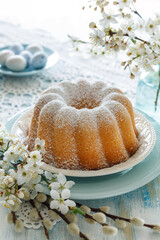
67,118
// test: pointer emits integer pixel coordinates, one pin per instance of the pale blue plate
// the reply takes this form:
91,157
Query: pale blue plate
51,61
115,184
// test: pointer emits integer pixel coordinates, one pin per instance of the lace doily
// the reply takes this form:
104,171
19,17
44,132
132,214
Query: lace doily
24,211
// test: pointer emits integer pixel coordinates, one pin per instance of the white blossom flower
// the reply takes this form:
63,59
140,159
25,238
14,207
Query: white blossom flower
97,37
129,28
150,26
3,142
2,173
61,183
23,176
35,156
108,19
11,154
40,145
124,3
8,181
23,193
60,201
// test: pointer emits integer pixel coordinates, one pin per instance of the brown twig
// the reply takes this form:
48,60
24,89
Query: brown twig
45,229
114,217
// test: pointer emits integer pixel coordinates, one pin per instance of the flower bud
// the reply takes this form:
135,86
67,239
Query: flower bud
15,207
99,217
120,223
37,204
105,209
92,25
71,217
135,69
132,76
123,63
41,197
53,215
73,229
10,218
47,223
109,230
156,228
19,226
90,221
85,209
137,221
33,214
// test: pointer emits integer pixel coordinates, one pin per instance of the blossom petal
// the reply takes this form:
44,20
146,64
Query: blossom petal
69,184
63,208
48,175
61,178
65,193
70,203
54,194
55,185
54,204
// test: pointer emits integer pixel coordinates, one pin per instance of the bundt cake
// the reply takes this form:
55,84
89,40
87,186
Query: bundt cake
84,125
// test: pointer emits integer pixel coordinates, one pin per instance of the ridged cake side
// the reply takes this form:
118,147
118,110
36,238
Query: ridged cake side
85,126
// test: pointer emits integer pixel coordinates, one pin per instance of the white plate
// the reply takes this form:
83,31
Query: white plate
147,139
51,61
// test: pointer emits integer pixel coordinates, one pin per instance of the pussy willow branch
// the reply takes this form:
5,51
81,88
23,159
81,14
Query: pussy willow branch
45,229
114,217
91,217
65,220
14,217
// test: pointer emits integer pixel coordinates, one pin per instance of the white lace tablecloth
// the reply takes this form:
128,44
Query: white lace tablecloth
18,93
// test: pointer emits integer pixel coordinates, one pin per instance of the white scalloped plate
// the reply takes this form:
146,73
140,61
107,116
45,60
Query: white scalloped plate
147,139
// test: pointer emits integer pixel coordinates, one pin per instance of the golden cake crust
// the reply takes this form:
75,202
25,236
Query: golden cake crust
84,125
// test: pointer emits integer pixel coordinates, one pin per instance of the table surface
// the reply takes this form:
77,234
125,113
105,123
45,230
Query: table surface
18,93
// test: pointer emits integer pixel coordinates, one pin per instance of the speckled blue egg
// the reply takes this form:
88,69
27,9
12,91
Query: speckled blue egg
27,55
16,48
34,48
38,60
